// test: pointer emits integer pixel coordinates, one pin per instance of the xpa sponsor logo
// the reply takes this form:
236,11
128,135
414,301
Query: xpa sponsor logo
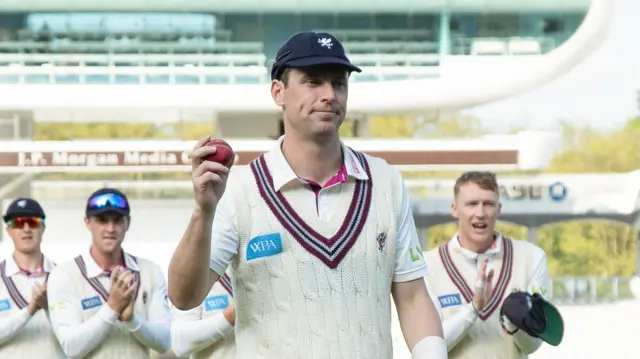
450,300
264,246
88,303
5,304
216,302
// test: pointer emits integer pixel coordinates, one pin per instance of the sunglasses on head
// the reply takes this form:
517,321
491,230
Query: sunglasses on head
33,222
108,200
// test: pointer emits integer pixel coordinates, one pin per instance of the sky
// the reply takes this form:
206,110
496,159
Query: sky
600,92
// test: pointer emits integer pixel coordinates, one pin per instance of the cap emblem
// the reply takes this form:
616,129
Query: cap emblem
326,42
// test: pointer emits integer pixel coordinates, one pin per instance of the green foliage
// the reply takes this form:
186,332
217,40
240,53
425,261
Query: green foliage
57,131
77,131
589,151
346,130
392,127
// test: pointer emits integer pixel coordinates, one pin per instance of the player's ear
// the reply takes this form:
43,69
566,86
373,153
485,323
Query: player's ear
454,210
277,92
499,208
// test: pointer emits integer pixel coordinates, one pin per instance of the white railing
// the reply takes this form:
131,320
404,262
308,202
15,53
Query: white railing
50,70
580,290
502,46
346,35
135,46
390,47
186,74
92,60
205,30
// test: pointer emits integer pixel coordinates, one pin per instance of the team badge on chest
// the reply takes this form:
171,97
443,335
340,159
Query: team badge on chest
382,241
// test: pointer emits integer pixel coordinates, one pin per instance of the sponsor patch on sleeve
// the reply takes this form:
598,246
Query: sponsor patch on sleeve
5,304
216,302
88,303
450,300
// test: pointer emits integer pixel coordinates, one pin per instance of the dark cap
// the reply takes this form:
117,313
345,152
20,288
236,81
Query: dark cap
107,200
309,48
23,207
534,315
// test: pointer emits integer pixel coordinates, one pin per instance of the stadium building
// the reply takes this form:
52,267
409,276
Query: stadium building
169,61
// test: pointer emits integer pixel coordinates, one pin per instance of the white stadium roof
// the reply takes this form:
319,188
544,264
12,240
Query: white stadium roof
456,87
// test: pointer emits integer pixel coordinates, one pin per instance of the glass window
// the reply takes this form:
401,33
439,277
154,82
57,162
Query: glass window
123,22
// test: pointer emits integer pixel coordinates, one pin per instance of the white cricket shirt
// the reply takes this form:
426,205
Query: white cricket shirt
409,264
79,337
195,331
17,326
456,327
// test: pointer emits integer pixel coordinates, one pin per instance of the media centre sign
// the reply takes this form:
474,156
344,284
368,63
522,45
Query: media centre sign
556,191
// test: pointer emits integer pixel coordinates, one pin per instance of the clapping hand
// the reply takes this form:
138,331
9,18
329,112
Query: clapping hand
484,286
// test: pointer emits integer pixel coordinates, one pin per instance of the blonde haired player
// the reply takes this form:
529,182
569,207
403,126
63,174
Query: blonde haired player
318,237
206,332
473,273
25,331
107,303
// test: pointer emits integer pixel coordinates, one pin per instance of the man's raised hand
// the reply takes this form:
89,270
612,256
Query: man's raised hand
209,178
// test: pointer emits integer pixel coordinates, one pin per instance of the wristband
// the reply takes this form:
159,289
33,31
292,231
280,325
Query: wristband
504,326
430,348
475,310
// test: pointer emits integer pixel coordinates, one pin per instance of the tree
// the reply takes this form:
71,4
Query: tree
426,125
588,151
346,130
54,131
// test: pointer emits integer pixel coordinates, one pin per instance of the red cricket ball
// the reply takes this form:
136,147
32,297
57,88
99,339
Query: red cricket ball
224,153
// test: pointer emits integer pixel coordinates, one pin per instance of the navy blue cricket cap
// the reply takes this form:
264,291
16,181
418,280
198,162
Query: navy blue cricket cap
309,48
107,200
535,315
23,207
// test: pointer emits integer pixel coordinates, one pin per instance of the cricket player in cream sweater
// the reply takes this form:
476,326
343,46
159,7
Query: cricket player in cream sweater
206,332
25,330
473,273
317,236
107,303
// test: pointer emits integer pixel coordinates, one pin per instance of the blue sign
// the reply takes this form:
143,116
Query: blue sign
216,302
5,304
264,246
88,303
557,191
450,300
